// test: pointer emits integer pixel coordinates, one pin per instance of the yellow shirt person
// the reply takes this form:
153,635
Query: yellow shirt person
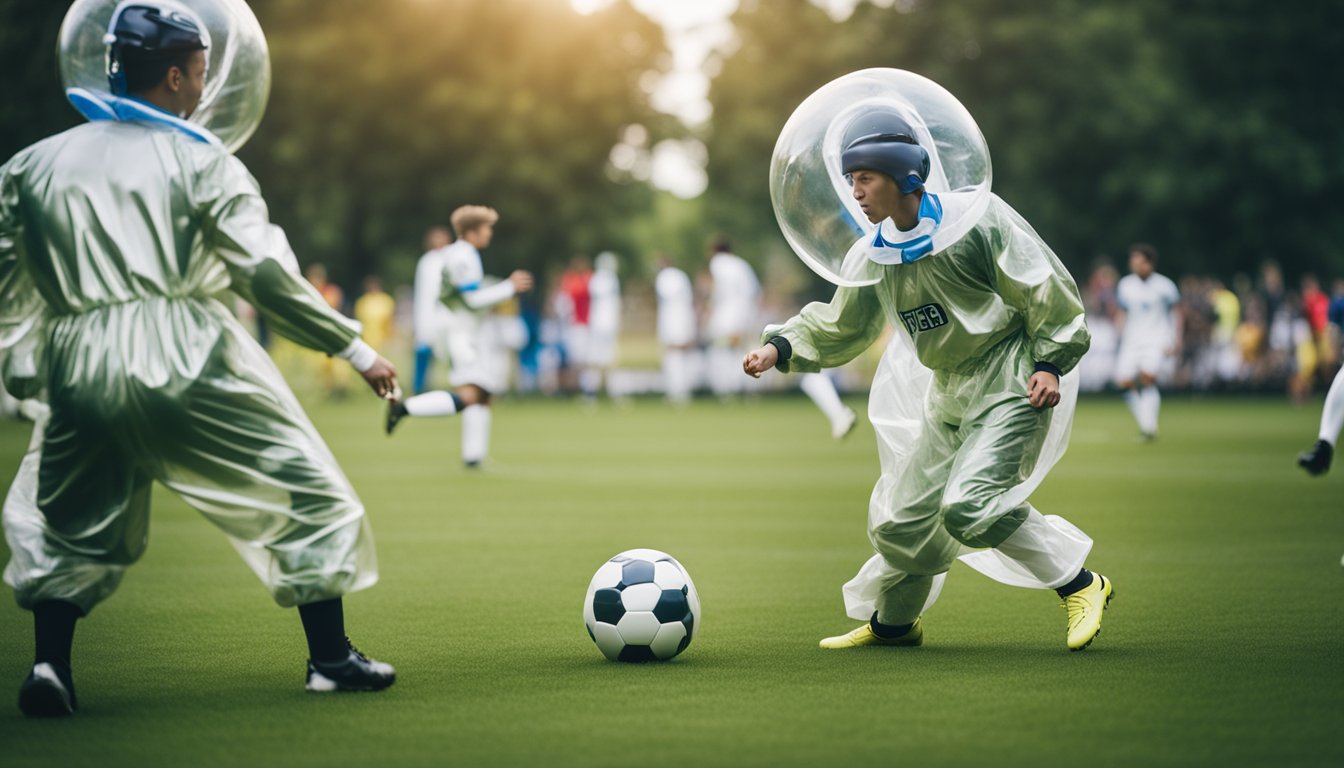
374,310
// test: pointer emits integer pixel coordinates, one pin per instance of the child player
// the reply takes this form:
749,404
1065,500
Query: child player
998,319
466,296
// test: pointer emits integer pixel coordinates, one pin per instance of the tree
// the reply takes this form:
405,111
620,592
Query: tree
1207,131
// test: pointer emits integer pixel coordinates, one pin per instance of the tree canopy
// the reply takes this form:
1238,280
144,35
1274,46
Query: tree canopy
1211,128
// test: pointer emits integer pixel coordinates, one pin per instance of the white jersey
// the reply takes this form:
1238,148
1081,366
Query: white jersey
1148,306
676,307
468,294
604,309
734,300
463,272
429,312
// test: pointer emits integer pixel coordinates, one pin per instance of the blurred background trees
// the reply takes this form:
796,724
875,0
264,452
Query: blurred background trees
1212,128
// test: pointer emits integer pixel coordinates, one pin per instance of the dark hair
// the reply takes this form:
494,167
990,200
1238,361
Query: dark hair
143,72
722,245
1148,251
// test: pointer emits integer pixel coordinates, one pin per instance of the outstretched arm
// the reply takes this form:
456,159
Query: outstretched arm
264,271
477,298
822,335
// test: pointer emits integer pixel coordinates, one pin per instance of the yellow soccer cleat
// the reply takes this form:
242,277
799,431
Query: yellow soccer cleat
864,636
1085,608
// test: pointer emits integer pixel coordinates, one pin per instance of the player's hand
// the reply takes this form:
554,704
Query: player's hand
382,377
759,361
1043,390
522,280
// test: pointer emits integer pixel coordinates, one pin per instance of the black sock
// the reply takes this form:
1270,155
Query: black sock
1081,581
324,624
54,630
888,631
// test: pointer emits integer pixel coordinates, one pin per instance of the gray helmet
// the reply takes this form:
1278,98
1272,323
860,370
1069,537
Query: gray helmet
882,140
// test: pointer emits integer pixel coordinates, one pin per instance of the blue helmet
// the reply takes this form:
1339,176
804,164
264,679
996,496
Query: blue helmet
148,30
882,140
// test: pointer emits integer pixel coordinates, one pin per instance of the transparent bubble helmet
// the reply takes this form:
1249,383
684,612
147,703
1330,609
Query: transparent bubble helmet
238,78
812,199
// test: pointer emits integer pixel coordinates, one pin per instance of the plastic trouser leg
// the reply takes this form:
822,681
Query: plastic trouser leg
997,451
910,536
245,455
76,515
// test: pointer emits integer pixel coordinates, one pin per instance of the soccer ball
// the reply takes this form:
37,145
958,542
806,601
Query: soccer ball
641,606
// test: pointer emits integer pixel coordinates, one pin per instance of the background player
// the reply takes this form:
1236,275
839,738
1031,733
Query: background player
466,297
604,324
430,316
734,307
1150,332
1316,459
676,329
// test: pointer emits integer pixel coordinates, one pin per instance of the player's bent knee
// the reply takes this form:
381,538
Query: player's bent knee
919,554
976,525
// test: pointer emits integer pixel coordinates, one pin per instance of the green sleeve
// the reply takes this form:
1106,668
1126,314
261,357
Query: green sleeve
1033,281
262,268
826,335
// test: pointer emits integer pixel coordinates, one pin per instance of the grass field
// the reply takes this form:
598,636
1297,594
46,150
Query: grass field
1223,646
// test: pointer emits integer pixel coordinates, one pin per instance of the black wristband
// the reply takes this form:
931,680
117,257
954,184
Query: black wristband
1049,368
782,344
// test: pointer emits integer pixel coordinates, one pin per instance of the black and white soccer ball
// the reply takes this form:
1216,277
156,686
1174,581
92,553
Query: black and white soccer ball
641,606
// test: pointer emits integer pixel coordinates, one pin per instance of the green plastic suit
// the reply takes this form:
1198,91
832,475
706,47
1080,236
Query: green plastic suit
115,238
980,315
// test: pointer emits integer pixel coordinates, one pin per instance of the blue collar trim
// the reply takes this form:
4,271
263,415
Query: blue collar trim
921,245
96,106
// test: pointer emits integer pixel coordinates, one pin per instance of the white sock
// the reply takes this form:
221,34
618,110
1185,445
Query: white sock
590,380
437,403
821,389
1151,404
677,375
475,433
1332,417
1135,404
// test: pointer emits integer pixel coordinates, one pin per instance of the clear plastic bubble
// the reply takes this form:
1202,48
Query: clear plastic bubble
813,201
238,80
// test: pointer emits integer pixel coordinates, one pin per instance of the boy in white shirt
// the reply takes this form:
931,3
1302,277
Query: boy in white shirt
466,298
1150,334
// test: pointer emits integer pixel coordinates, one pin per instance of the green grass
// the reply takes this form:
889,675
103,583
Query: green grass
1222,648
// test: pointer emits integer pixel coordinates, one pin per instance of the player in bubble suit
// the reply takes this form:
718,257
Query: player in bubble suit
998,320
115,237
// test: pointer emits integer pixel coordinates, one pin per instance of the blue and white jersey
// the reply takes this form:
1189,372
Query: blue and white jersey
462,274
1148,306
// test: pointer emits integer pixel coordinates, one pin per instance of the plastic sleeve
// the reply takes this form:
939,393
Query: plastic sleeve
828,335
262,267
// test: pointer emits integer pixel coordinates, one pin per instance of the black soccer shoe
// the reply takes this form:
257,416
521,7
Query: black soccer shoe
48,692
1316,460
356,672
396,411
